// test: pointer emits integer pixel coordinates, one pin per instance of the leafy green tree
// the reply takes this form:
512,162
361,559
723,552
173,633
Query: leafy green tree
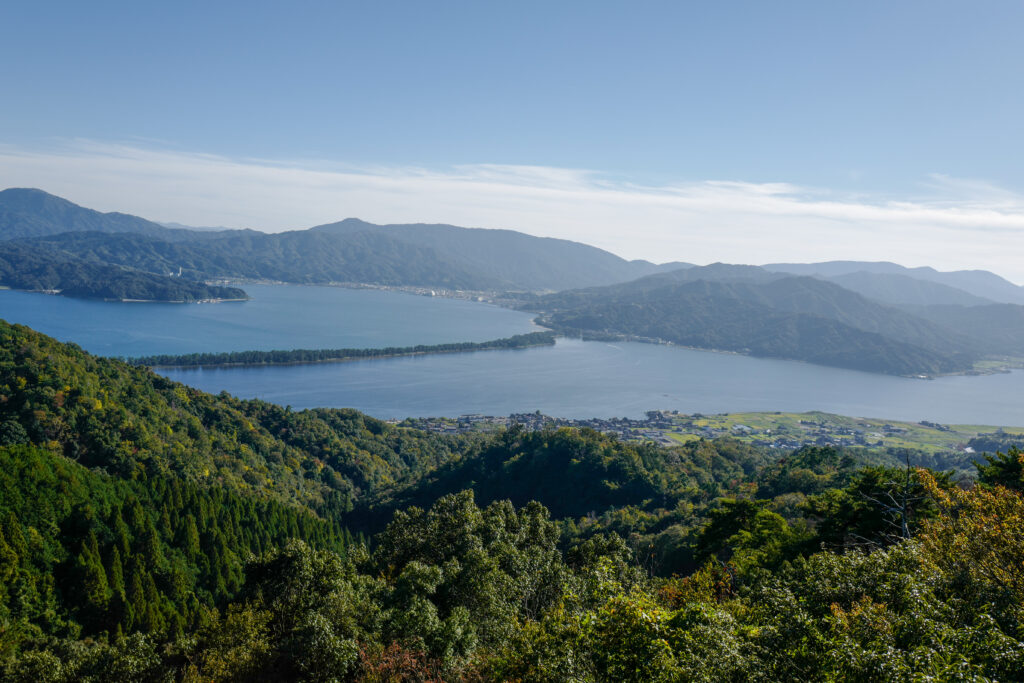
878,507
629,642
1003,469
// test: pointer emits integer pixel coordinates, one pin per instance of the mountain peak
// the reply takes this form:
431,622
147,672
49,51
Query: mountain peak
30,212
31,198
346,224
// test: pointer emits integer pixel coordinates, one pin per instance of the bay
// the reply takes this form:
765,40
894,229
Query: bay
277,317
571,379
596,379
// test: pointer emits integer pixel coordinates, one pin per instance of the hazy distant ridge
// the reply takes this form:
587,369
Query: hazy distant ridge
980,283
763,313
873,316
441,256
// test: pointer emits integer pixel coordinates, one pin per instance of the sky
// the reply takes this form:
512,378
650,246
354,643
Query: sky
745,132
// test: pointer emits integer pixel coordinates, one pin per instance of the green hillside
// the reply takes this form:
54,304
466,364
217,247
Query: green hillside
300,257
34,269
106,414
26,213
150,532
779,317
87,553
521,261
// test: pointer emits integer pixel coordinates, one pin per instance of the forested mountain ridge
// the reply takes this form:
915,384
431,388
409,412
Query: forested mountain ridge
422,255
25,266
604,474
979,283
311,257
747,310
53,264
299,257
150,532
898,289
997,329
523,261
27,213
353,251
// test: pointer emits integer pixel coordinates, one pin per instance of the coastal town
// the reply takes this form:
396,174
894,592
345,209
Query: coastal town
784,431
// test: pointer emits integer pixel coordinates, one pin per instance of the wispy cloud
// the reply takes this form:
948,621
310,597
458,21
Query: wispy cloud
954,223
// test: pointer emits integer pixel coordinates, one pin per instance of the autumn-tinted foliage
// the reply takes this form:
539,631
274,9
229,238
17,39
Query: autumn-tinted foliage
104,413
150,532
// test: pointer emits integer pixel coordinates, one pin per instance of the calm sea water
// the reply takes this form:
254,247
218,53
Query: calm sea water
571,379
592,379
277,317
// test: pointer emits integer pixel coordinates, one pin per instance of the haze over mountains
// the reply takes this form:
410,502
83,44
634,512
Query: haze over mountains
27,213
980,283
749,310
879,317
351,251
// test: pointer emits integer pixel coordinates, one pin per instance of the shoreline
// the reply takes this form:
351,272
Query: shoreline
110,300
507,300
526,341
174,301
1000,368
495,298
346,359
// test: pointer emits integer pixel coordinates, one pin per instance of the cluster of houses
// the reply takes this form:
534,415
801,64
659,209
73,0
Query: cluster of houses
659,425
652,428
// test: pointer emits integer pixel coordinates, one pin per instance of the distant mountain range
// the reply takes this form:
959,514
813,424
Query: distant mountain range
753,310
28,213
352,251
880,316
520,260
980,283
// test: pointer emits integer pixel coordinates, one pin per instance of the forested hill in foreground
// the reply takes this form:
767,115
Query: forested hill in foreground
103,413
150,532
749,310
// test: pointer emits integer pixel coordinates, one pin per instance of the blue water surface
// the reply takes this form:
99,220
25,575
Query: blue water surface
277,317
596,379
571,379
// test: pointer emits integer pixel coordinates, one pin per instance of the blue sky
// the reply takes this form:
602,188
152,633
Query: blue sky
876,106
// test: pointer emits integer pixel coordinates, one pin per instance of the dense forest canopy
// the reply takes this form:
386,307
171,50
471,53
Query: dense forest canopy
151,532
